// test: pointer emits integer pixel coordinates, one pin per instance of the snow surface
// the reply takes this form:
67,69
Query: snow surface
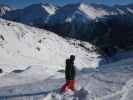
40,47
108,82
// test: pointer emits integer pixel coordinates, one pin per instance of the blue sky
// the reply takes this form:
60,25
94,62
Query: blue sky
23,3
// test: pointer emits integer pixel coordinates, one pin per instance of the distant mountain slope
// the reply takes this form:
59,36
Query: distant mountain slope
89,11
103,26
4,9
45,12
35,14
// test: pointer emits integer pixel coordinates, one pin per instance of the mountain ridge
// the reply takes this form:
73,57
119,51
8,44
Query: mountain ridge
4,9
98,24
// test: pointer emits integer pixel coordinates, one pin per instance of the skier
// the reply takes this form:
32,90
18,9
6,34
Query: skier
69,75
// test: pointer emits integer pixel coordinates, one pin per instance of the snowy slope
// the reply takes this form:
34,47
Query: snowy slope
37,53
125,93
46,47
108,82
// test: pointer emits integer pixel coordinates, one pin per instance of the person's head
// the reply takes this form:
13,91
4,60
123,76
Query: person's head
72,57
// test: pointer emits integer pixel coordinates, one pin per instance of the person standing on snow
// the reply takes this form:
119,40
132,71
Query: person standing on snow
69,74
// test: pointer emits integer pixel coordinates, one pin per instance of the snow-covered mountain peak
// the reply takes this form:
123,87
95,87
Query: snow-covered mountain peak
91,11
48,8
51,9
4,9
120,11
130,10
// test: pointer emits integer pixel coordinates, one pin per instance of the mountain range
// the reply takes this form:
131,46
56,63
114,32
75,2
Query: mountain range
107,27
